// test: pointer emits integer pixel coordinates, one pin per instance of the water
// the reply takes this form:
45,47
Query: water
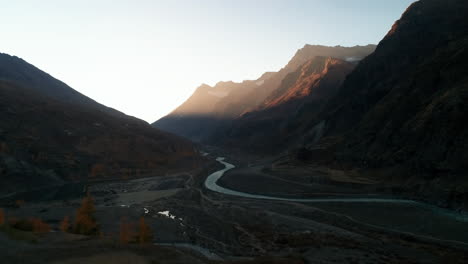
400,215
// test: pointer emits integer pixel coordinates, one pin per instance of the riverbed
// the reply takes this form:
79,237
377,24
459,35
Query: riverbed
394,214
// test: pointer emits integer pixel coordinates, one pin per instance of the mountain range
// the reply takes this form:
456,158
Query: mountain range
211,109
397,110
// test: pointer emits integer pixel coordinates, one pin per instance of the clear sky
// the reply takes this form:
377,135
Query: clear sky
145,57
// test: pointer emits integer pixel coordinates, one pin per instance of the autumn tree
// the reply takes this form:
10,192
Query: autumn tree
145,234
19,203
65,224
2,217
97,170
38,226
85,222
127,233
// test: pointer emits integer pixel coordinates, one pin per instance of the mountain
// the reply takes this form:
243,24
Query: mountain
273,125
52,134
210,109
403,111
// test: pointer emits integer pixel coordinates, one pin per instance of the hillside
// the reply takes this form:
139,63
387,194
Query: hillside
51,134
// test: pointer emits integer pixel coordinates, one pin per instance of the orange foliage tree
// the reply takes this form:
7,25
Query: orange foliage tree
65,224
85,222
127,233
97,170
19,203
38,226
145,234
2,217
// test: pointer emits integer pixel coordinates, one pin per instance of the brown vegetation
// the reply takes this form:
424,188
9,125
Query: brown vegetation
97,170
2,217
85,222
3,147
127,233
65,224
145,234
19,203
39,226
35,225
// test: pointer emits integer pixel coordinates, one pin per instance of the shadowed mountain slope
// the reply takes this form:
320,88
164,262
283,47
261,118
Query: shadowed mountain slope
51,134
404,107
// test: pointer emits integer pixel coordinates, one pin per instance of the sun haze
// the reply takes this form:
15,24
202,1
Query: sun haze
145,59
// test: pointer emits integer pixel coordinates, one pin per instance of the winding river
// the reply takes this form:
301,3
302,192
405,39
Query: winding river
212,179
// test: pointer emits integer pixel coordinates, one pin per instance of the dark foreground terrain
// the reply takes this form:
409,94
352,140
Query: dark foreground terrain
195,225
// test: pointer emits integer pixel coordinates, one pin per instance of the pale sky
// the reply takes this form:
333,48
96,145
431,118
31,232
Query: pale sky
145,57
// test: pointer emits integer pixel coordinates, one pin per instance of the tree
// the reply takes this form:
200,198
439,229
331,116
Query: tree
97,170
19,203
65,224
2,217
127,234
145,234
85,222
38,226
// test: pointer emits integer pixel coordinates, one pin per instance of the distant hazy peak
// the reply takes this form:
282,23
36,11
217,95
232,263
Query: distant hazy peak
266,76
350,54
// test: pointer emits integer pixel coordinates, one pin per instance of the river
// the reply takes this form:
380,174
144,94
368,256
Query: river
374,211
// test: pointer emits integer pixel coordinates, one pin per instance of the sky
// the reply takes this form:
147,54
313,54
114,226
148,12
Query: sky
146,57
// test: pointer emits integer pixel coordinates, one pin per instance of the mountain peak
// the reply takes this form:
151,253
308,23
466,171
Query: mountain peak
309,51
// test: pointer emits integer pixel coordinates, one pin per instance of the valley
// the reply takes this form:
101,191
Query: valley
192,213
345,154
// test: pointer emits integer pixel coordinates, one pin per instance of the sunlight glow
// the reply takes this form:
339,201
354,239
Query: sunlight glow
146,57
